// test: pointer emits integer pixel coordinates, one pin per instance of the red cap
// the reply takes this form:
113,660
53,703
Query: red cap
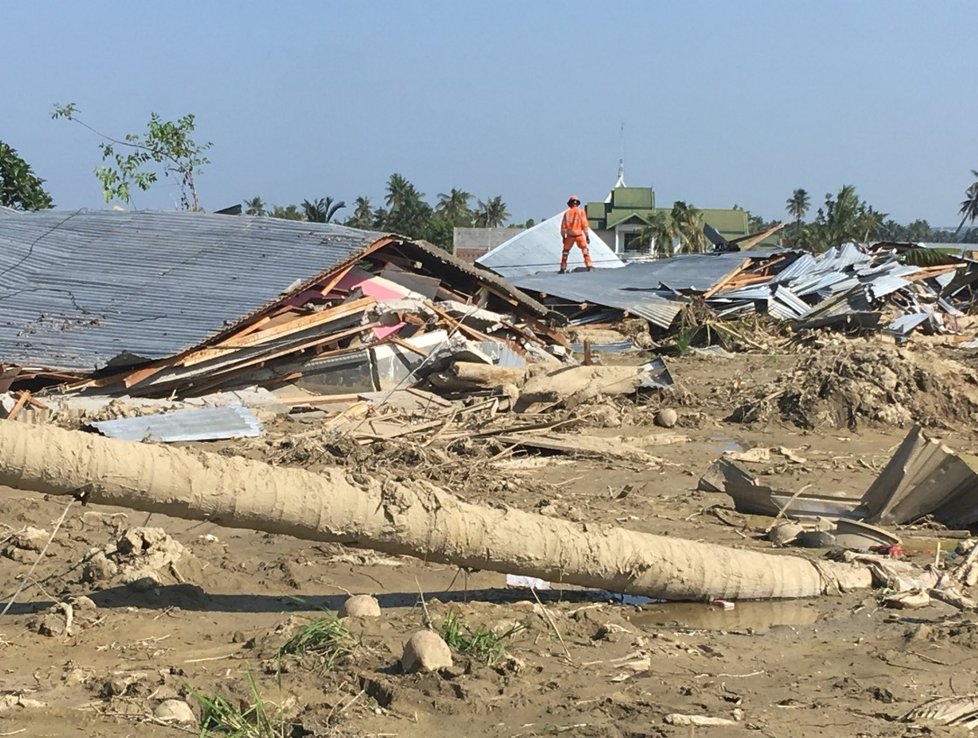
573,198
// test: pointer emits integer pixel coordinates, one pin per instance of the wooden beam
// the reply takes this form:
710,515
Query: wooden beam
21,401
286,329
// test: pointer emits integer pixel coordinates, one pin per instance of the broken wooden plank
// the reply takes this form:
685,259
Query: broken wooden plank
18,406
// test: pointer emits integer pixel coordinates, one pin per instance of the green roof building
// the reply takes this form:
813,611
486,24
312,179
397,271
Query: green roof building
621,220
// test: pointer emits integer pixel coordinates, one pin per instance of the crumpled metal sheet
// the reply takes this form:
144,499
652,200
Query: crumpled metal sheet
199,424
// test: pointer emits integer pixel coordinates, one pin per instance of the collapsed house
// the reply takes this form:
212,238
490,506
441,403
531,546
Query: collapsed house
895,287
173,304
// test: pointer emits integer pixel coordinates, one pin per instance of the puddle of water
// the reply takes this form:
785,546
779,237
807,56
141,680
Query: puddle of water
702,616
722,444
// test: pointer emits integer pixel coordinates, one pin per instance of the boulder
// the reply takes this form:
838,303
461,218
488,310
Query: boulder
425,651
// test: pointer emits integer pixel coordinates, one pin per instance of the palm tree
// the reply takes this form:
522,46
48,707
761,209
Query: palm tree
454,207
492,213
969,206
321,210
658,234
870,223
287,212
687,225
254,206
363,214
399,192
797,207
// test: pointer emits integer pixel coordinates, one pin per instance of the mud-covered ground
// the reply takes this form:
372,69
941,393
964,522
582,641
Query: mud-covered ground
576,663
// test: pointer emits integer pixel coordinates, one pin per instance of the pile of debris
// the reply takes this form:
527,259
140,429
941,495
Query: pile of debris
839,386
923,480
900,288
197,304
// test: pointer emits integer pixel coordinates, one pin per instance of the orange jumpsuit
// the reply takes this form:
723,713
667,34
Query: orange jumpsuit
573,229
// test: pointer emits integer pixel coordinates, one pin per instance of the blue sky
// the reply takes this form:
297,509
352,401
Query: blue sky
722,102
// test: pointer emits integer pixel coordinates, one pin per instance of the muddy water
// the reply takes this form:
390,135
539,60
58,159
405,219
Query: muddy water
755,616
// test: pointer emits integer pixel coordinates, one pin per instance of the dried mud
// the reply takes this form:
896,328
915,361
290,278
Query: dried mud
581,664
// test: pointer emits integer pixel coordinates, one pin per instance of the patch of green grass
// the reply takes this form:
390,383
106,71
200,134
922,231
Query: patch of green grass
480,643
220,716
327,637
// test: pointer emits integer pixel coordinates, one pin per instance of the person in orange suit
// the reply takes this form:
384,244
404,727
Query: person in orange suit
574,230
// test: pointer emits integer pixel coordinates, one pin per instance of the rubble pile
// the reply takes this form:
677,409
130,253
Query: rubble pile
896,288
849,388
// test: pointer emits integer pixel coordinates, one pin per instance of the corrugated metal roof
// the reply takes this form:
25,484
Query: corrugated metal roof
608,288
79,288
786,305
198,424
538,249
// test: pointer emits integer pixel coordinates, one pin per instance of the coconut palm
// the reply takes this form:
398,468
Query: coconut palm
400,192
687,225
363,214
492,213
286,212
321,210
454,207
797,207
658,233
969,206
254,206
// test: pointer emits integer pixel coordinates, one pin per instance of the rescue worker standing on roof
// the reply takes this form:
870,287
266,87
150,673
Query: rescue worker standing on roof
574,230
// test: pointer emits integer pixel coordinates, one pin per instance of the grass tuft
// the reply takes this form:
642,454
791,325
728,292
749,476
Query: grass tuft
480,643
219,716
327,637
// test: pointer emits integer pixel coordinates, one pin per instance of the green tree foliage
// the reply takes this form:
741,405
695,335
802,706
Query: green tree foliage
363,214
166,146
454,207
492,213
969,206
20,188
686,224
797,206
322,210
407,212
286,212
255,206
658,233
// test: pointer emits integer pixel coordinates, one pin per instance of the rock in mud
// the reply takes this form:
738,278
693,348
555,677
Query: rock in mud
175,711
666,418
785,533
360,606
425,651
30,539
99,568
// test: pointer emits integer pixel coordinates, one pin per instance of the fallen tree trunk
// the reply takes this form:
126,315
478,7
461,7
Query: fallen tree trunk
407,517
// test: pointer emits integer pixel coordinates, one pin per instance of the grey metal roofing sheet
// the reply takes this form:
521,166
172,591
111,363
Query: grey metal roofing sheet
79,288
198,424
616,288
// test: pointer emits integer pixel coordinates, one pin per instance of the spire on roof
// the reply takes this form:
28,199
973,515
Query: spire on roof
620,182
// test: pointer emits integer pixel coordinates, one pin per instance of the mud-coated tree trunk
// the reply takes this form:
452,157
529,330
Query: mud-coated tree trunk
398,517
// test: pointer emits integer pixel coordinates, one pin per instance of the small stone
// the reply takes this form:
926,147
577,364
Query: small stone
238,637
175,711
75,677
666,418
360,606
30,539
81,602
49,624
425,651
99,568
785,533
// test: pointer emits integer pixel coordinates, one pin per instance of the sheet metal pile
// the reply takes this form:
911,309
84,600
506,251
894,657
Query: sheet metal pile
897,287
165,305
